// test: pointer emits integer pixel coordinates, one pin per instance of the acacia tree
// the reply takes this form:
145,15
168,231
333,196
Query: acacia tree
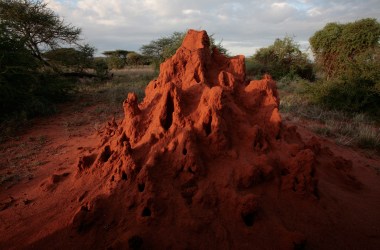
134,59
160,49
116,58
37,25
342,50
16,73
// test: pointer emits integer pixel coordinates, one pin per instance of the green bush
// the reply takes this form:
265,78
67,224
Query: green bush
353,96
281,59
349,57
24,89
71,59
101,68
37,96
348,50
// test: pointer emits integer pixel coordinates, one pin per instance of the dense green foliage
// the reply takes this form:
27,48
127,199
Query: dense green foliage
71,59
37,25
27,86
161,49
23,89
281,59
356,95
349,56
350,50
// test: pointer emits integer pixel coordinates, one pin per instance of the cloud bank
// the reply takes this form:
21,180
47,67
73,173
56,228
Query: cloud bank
242,26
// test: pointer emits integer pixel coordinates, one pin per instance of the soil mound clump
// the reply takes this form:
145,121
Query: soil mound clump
205,162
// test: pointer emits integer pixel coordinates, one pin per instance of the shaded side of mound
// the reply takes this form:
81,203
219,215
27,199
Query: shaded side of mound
203,162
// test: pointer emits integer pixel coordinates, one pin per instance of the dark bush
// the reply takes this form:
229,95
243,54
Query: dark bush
357,95
24,88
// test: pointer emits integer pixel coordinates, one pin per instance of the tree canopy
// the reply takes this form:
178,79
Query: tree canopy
116,59
344,49
76,59
160,49
27,30
37,25
349,56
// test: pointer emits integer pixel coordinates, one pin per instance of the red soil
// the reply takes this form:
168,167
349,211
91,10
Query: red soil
203,162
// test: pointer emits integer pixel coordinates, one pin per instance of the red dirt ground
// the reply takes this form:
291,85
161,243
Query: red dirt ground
204,162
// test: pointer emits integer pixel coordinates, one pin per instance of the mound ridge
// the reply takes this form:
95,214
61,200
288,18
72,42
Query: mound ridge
203,162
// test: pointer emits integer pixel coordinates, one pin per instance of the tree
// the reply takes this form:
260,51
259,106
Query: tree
161,49
134,59
116,58
25,91
342,50
16,72
349,56
27,30
73,59
37,25
282,58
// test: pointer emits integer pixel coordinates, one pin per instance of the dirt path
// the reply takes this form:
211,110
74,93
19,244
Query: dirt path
50,145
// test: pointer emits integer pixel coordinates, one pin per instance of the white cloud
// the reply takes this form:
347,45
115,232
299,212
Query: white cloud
281,5
191,12
314,12
245,24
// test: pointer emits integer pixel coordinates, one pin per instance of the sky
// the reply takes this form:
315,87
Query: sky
242,26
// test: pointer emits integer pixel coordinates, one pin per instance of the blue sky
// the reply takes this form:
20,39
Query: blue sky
242,26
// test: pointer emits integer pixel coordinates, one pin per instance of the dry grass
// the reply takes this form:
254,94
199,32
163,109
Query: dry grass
356,130
106,97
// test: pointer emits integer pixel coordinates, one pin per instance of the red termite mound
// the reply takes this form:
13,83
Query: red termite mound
204,162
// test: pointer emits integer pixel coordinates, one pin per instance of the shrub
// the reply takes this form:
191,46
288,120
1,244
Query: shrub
357,95
101,68
349,57
23,88
348,50
281,59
